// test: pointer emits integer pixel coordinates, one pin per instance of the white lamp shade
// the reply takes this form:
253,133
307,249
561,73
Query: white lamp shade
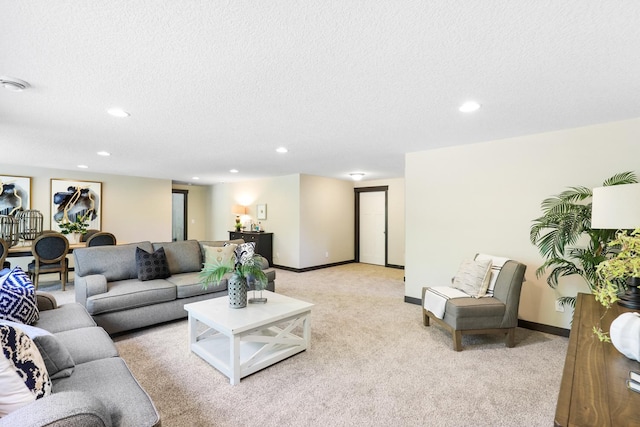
616,207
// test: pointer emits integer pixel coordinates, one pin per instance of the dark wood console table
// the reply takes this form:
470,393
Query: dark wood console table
593,391
264,242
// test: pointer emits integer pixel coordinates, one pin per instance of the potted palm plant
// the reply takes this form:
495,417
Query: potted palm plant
239,275
566,222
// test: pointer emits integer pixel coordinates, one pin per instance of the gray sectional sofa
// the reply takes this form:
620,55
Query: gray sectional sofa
92,388
107,284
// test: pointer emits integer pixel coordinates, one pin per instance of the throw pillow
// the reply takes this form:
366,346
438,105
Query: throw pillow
220,255
152,265
23,374
18,298
245,251
473,277
56,357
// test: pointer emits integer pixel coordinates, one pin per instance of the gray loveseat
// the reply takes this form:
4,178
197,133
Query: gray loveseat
100,390
106,283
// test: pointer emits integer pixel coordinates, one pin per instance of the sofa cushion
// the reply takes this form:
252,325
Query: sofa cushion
114,262
23,373
64,318
18,297
188,285
56,357
126,294
75,342
112,383
152,265
183,256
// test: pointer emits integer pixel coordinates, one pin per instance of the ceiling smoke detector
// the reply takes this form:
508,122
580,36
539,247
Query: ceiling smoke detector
13,84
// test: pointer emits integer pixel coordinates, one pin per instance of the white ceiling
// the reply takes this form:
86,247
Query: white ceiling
345,85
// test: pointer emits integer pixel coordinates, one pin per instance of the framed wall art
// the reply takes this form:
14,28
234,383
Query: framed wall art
262,211
15,194
73,200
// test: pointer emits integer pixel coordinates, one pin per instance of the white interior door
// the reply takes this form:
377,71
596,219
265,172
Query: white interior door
372,227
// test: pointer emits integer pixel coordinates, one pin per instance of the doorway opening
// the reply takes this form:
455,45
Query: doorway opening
371,212
179,215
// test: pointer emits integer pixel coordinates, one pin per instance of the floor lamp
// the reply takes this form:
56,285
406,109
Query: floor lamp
617,207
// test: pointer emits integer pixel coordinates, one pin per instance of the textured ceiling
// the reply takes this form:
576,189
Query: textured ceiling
345,85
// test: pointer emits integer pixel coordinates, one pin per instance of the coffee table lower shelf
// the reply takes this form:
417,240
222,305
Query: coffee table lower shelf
242,354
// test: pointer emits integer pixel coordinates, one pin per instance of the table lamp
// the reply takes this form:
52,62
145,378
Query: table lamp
617,207
238,210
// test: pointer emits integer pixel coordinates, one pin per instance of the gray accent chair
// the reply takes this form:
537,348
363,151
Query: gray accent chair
487,315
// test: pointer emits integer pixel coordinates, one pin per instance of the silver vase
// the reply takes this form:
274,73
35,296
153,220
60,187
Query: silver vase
237,289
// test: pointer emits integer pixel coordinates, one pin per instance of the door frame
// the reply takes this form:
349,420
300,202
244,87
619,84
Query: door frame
185,210
357,191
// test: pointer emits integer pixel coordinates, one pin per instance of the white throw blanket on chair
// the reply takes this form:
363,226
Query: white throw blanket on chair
435,299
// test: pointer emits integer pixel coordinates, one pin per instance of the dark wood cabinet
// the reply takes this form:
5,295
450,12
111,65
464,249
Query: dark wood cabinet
593,391
264,242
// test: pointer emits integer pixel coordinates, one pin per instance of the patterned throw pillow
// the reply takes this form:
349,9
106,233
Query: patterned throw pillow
152,265
473,277
18,298
23,374
245,252
56,357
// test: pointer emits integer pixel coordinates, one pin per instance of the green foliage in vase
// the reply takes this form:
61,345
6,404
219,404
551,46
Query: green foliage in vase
615,272
249,271
80,225
565,222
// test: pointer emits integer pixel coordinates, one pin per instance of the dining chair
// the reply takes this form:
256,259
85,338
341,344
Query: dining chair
90,232
101,239
4,251
50,256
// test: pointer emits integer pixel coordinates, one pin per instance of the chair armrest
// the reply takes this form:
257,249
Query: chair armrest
45,301
70,408
90,285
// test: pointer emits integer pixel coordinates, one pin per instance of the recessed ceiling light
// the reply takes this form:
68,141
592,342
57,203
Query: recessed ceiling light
356,176
104,153
13,84
118,112
469,107
282,150
195,178
83,166
234,171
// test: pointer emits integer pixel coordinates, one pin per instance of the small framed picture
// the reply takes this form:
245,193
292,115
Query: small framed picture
262,212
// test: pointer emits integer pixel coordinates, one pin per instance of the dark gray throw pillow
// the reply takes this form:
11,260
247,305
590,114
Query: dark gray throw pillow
152,265
56,356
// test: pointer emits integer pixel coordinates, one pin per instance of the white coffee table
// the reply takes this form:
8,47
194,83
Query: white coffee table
241,341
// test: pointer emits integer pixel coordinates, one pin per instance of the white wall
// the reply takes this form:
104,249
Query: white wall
483,197
326,221
396,217
308,215
133,208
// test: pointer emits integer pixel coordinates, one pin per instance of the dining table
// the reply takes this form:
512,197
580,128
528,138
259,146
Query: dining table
23,249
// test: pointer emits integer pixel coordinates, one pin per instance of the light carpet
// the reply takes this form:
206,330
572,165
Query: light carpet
371,363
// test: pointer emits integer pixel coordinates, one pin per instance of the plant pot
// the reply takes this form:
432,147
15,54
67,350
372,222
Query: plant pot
237,289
